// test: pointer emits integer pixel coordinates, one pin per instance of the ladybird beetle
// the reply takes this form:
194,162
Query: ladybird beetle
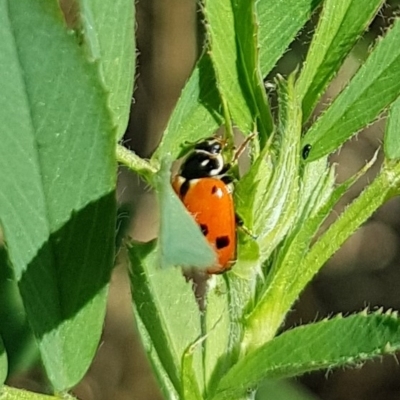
206,191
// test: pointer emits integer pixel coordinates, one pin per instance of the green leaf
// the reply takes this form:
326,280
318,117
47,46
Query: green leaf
271,190
191,390
224,55
197,114
247,31
374,87
167,308
10,393
3,364
270,194
326,344
340,26
180,240
58,182
278,204
108,28
277,27
391,143
317,183
251,188
164,382
385,186
232,34
217,327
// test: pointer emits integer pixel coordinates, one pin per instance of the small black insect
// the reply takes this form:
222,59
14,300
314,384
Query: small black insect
306,151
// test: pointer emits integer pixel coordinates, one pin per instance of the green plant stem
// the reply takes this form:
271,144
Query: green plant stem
266,318
136,164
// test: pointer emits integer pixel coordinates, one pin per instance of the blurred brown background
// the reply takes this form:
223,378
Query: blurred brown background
366,272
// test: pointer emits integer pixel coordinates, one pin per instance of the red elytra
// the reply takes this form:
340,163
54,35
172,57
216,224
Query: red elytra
210,202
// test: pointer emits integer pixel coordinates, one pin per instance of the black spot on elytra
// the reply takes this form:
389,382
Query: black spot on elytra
204,229
214,189
221,242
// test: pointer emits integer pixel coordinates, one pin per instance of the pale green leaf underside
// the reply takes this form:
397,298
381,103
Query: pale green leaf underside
326,344
373,88
57,175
